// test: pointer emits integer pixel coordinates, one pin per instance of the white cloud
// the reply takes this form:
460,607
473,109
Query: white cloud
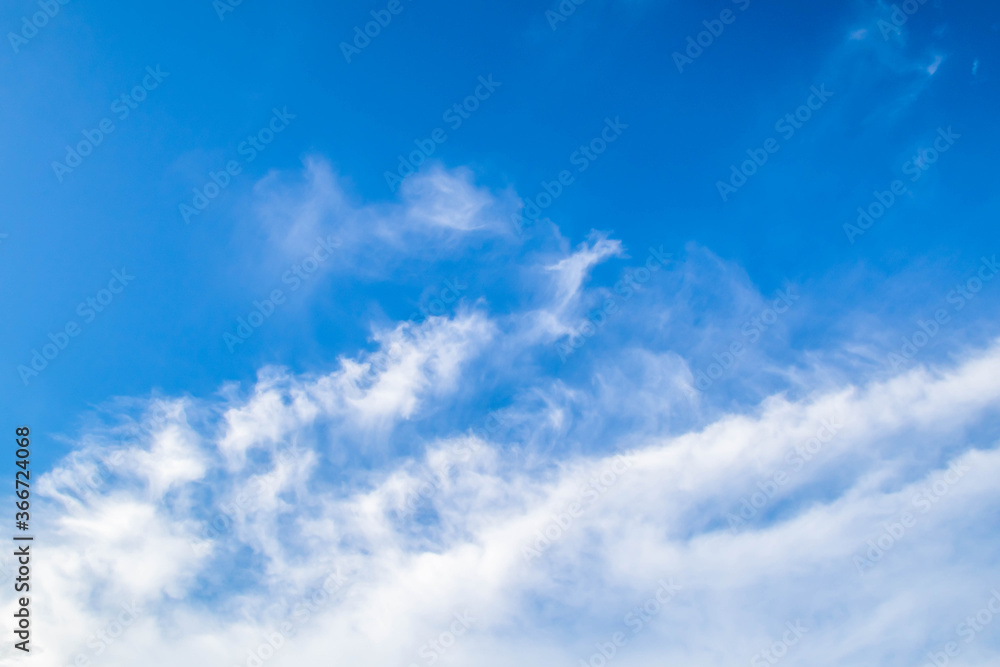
614,526
413,362
437,198
440,213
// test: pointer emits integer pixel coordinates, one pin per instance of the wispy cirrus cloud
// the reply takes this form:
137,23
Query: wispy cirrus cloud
511,541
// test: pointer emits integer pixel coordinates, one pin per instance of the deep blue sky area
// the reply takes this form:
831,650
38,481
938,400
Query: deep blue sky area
655,184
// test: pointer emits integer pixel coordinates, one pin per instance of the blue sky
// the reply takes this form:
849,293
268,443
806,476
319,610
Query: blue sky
634,228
